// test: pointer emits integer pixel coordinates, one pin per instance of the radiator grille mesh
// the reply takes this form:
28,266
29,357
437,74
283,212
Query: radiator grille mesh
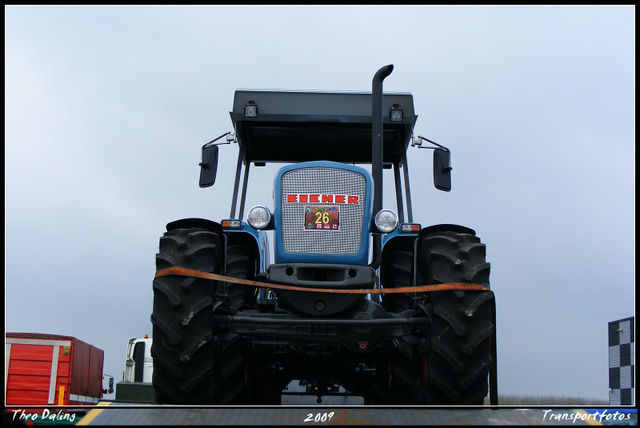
319,180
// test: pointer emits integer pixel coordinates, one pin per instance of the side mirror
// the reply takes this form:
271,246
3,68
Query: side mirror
208,166
442,169
109,390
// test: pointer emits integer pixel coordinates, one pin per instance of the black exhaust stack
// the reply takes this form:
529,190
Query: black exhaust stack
376,154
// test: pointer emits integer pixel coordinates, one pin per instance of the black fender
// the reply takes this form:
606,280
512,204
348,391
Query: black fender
445,228
201,223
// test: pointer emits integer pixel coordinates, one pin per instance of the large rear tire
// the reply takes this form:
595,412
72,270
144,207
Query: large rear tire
195,361
462,327
452,364
182,318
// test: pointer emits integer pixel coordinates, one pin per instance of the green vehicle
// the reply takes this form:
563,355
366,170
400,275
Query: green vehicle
356,297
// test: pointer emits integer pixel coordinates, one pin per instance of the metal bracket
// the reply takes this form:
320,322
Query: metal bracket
416,142
231,138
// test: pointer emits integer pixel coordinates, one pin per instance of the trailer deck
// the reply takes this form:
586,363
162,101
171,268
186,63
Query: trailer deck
109,413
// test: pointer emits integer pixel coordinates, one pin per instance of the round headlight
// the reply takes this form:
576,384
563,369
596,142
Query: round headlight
386,221
259,217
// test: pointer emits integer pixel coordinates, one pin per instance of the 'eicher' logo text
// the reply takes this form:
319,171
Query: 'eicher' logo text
319,198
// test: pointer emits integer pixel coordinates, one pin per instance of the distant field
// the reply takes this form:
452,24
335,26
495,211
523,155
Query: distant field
548,400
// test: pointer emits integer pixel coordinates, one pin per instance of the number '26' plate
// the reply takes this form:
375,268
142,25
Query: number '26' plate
321,217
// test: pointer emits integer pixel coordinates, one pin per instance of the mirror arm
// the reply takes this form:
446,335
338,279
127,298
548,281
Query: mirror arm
416,143
231,137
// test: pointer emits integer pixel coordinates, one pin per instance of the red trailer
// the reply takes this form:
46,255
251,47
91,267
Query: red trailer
48,369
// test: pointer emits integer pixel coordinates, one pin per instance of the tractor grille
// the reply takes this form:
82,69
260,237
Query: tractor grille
323,181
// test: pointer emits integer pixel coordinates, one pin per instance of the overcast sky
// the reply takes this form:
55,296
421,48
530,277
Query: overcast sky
106,109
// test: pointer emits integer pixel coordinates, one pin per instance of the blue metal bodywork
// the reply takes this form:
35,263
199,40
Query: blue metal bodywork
361,258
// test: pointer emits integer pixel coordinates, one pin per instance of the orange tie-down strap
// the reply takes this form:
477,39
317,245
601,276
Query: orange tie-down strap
212,276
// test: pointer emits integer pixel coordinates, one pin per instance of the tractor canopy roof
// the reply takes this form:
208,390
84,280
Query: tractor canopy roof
295,126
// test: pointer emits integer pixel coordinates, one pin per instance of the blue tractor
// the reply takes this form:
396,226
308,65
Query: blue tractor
357,296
